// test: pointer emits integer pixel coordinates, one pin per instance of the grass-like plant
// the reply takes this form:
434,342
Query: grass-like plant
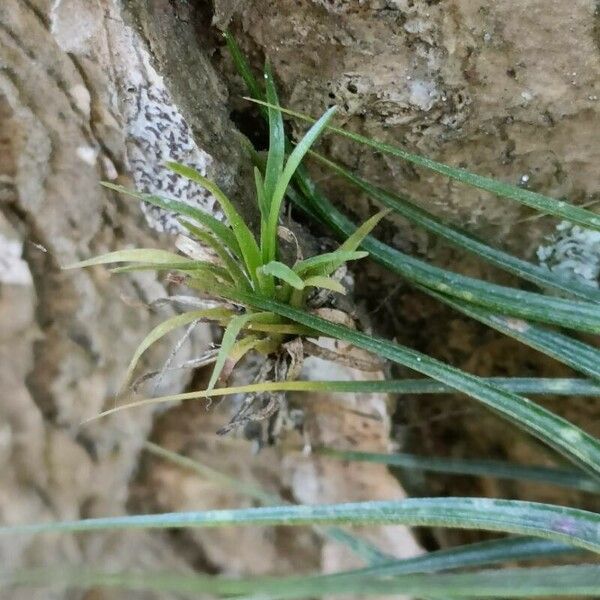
264,304
226,261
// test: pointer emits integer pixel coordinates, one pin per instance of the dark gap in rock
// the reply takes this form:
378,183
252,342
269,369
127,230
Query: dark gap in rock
251,123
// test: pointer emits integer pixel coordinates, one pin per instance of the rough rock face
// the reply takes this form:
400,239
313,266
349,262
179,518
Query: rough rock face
66,335
90,90
508,89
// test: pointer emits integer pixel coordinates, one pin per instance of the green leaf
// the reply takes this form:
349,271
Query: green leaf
559,523
242,66
196,269
263,204
544,204
283,272
478,468
578,355
232,266
280,328
471,555
578,315
181,265
522,268
564,387
141,255
573,443
327,263
327,283
579,580
582,357
354,241
169,325
358,545
236,324
276,153
243,235
220,230
282,183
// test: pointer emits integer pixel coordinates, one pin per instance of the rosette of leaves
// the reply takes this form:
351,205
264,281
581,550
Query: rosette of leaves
222,260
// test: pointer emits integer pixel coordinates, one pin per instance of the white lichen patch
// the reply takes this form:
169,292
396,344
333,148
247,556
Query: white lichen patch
573,252
423,94
13,269
156,132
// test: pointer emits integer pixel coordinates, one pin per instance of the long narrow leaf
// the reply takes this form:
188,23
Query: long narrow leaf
290,167
478,468
471,555
137,255
169,325
544,204
230,334
583,316
577,527
181,208
359,546
578,580
245,238
242,66
263,204
573,443
195,269
567,387
276,153
578,355
522,268
354,241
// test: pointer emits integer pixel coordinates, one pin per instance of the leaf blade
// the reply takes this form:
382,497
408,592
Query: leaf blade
569,387
575,314
283,272
276,154
166,327
573,526
544,204
473,467
573,443
522,268
230,334
245,239
219,229
291,165
141,255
